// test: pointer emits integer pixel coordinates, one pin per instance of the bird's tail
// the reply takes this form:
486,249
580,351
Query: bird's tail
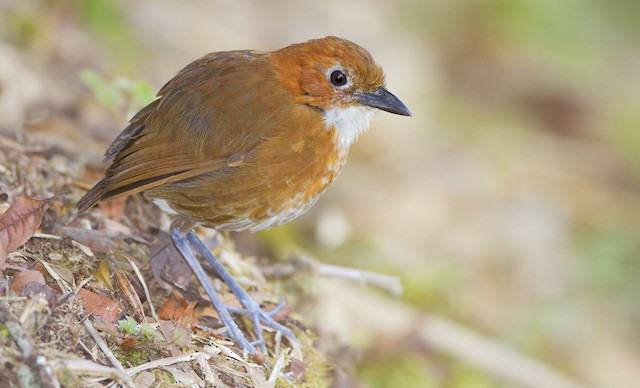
93,196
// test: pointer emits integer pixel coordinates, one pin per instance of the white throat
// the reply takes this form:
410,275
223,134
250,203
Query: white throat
348,122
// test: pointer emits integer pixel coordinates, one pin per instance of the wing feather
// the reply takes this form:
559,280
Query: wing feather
193,127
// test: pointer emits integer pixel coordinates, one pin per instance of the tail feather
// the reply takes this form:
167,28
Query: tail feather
93,196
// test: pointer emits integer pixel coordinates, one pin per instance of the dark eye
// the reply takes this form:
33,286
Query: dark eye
338,78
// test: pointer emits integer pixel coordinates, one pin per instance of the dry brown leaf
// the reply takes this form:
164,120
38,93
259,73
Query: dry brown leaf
31,282
19,223
207,309
182,313
99,306
130,295
22,278
129,344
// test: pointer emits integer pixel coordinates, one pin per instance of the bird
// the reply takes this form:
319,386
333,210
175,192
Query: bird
246,140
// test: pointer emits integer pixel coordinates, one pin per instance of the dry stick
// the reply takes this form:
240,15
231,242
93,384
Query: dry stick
93,369
35,361
107,352
389,283
167,361
277,368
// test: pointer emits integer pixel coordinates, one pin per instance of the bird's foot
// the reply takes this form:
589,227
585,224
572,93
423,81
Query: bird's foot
251,309
258,317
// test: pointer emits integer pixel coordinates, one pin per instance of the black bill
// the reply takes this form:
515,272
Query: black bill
381,98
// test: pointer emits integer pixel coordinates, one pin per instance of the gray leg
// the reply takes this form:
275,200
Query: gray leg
182,244
251,309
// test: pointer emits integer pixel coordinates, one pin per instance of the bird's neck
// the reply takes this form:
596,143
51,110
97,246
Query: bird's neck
348,123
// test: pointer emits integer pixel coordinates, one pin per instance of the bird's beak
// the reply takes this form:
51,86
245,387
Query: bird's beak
381,98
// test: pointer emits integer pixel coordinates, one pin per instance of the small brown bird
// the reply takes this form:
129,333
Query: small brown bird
246,140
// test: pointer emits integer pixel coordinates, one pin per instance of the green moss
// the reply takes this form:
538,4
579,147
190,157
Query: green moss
137,356
166,377
4,332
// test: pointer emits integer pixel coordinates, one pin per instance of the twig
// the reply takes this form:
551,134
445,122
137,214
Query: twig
90,368
389,283
277,368
209,376
107,352
32,358
78,288
166,361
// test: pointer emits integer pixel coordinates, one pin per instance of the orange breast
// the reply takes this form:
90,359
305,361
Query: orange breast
268,186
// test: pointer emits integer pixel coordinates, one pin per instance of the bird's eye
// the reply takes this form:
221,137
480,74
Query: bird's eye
338,78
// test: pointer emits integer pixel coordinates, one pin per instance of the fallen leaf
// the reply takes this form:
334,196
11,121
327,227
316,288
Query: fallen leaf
207,309
33,288
99,306
167,266
103,275
175,335
19,223
181,313
181,336
63,273
145,379
129,344
22,278
205,332
130,295
167,311
31,282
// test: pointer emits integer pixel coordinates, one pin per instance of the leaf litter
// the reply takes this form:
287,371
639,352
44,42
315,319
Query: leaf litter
75,281
19,223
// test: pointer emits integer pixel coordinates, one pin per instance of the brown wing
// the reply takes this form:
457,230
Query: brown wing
215,107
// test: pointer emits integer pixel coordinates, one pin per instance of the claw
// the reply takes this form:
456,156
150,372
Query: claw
276,310
272,313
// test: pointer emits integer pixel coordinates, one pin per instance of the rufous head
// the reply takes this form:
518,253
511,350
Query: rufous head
340,78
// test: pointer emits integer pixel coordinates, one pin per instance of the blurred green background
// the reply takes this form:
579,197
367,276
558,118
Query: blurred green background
508,204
